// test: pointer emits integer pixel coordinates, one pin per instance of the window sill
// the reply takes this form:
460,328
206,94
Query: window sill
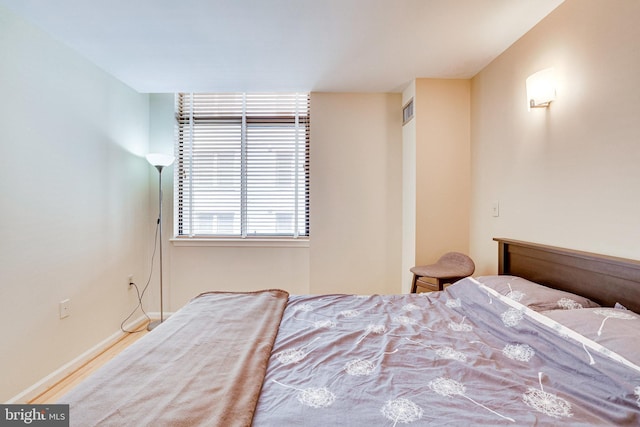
254,243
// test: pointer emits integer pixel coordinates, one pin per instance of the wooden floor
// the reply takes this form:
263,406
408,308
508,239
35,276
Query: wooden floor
66,384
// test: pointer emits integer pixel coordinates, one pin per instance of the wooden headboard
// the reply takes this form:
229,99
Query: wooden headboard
603,279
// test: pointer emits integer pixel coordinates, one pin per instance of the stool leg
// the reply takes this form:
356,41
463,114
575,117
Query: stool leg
414,286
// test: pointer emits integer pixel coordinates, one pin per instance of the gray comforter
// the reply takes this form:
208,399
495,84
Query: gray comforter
464,356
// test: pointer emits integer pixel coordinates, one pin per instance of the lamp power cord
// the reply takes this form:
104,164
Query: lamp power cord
139,294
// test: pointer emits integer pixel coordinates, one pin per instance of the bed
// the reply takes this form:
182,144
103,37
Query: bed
539,344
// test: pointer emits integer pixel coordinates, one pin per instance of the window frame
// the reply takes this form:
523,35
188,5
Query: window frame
299,121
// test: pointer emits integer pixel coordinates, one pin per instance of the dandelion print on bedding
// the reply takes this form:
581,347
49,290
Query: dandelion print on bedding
324,324
306,307
568,304
451,354
448,387
454,303
401,411
350,313
359,367
460,327
410,307
315,397
511,317
519,352
612,313
404,320
373,329
319,324
515,295
546,403
294,355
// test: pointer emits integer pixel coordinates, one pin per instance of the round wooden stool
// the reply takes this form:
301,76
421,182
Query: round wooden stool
450,268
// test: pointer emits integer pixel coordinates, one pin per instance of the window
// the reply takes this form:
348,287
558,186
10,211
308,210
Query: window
242,167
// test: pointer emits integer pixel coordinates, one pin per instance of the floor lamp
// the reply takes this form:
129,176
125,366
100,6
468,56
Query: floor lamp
159,161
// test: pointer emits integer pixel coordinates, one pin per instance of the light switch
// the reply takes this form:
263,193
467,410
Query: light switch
495,208
65,308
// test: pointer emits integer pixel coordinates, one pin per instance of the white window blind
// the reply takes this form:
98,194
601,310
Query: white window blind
242,167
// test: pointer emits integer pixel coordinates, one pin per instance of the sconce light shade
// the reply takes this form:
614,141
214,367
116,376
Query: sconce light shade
158,159
541,88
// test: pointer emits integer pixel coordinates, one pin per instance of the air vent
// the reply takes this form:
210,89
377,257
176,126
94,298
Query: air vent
407,112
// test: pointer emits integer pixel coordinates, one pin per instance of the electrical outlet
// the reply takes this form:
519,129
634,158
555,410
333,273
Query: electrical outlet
65,308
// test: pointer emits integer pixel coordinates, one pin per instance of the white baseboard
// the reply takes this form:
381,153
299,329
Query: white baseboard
50,380
155,315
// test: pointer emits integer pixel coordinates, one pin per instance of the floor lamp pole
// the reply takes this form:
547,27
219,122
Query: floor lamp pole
160,237
155,323
159,162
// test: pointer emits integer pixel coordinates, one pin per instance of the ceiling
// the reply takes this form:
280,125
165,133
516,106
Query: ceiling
284,45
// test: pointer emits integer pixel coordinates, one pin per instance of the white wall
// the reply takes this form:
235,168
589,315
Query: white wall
75,201
568,175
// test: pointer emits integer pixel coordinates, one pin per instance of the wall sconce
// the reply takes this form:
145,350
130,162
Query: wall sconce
541,88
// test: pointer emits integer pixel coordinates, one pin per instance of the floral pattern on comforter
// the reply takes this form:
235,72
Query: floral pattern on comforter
461,356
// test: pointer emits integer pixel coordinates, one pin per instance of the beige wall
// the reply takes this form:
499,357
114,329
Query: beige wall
409,167
436,172
442,168
196,269
74,189
80,201
355,211
568,175
190,269
356,193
